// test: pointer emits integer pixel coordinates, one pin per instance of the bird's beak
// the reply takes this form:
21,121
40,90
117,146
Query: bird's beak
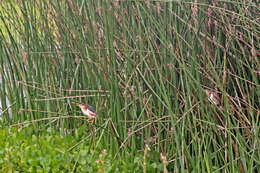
79,105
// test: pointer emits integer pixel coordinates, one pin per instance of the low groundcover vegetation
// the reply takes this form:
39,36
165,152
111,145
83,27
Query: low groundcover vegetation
22,150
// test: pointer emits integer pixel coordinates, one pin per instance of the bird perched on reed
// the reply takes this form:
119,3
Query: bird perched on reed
89,111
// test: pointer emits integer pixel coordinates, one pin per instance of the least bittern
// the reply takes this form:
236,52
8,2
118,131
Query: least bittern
92,115
89,111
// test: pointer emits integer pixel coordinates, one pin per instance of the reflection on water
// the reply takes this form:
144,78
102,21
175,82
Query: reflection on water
8,104
56,50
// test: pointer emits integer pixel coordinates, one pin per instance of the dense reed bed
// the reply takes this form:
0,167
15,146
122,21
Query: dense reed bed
181,77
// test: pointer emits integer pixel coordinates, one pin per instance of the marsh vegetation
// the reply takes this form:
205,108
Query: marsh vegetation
175,85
